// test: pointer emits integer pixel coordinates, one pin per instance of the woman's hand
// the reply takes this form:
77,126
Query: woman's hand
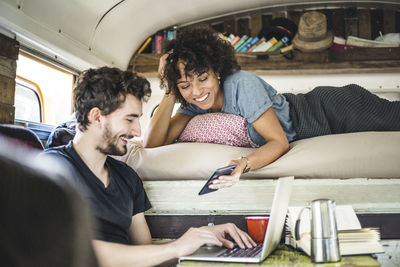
232,179
162,63
161,70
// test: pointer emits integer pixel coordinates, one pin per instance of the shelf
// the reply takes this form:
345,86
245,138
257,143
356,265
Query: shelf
358,60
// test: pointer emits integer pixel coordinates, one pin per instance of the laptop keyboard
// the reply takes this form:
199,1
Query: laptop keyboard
238,252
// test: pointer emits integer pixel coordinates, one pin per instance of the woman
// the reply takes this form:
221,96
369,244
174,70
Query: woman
200,71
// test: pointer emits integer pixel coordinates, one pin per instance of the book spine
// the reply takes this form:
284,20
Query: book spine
230,38
235,40
240,48
265,46
144,45
284,41
258,47
241,41
250,44
251,49
159,39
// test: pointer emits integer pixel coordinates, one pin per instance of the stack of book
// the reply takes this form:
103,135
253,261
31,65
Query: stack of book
159,40
353,240
351,42
255,44
361,42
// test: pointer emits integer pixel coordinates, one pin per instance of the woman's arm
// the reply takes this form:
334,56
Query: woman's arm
163,129
269,127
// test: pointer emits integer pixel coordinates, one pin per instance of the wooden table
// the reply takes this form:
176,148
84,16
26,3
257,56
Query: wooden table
285,256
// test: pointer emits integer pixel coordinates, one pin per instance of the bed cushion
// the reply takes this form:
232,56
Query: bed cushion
217,128
353,155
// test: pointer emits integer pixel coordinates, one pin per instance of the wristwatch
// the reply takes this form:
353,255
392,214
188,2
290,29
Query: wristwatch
247,167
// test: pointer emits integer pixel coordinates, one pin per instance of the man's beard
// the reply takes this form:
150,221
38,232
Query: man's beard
111,142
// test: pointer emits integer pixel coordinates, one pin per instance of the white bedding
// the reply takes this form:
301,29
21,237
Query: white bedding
354,155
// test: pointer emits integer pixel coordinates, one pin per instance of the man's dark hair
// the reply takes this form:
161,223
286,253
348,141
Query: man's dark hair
106,88
201,49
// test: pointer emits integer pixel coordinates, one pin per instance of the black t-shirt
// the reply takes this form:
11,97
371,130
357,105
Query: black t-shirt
112,206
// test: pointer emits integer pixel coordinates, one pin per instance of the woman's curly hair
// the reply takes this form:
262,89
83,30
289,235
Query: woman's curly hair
201,49
106,88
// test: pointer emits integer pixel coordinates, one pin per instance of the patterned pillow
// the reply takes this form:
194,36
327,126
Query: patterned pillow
217,128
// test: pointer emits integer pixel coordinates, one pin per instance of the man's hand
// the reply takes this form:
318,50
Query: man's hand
193,239
241,238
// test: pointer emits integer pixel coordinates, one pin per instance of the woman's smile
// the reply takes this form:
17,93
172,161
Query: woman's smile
203,98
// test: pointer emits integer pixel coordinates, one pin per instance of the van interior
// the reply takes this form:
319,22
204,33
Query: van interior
46,44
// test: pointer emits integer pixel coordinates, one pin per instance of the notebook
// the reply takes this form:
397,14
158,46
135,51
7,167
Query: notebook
272,238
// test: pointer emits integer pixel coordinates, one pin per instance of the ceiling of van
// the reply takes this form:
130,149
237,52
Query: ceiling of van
92,33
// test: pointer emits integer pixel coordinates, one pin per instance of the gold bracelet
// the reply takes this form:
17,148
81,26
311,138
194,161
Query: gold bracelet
247,167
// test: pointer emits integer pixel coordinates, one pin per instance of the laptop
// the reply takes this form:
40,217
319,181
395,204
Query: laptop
272,238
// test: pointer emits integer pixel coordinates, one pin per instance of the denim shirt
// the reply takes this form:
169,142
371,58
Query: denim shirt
249,96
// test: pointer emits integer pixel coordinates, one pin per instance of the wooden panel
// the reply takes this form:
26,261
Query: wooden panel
364,23
329,61
174,226
8,67
7,90
243,26
8,47
398,21
218,26
280,14
255,24
328,15
351,22
376,22
255,196
295,16
7,113
229,26
365,54
389,20
337,21
145,63
388,224
266,20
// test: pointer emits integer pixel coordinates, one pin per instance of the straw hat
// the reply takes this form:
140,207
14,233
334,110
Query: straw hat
313,35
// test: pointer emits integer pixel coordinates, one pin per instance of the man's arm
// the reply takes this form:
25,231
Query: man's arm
144,254
113,254
139,232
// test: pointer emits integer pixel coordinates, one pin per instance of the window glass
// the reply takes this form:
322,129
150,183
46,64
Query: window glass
55,85
27,103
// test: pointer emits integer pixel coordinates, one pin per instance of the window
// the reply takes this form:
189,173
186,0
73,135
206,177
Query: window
176,107
28,104
55,91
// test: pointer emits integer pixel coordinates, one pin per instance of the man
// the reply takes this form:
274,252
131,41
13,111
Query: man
108,105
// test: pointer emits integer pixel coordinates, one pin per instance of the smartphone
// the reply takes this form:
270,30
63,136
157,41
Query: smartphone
218,172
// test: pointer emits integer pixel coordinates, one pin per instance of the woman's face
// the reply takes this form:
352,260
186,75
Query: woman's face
201,89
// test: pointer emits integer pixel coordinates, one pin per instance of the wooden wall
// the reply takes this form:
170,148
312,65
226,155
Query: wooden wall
8,64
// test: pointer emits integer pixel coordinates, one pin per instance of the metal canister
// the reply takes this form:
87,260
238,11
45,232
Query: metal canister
324,236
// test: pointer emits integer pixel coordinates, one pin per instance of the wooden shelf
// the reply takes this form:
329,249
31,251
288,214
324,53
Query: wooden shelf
358,60
364,20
